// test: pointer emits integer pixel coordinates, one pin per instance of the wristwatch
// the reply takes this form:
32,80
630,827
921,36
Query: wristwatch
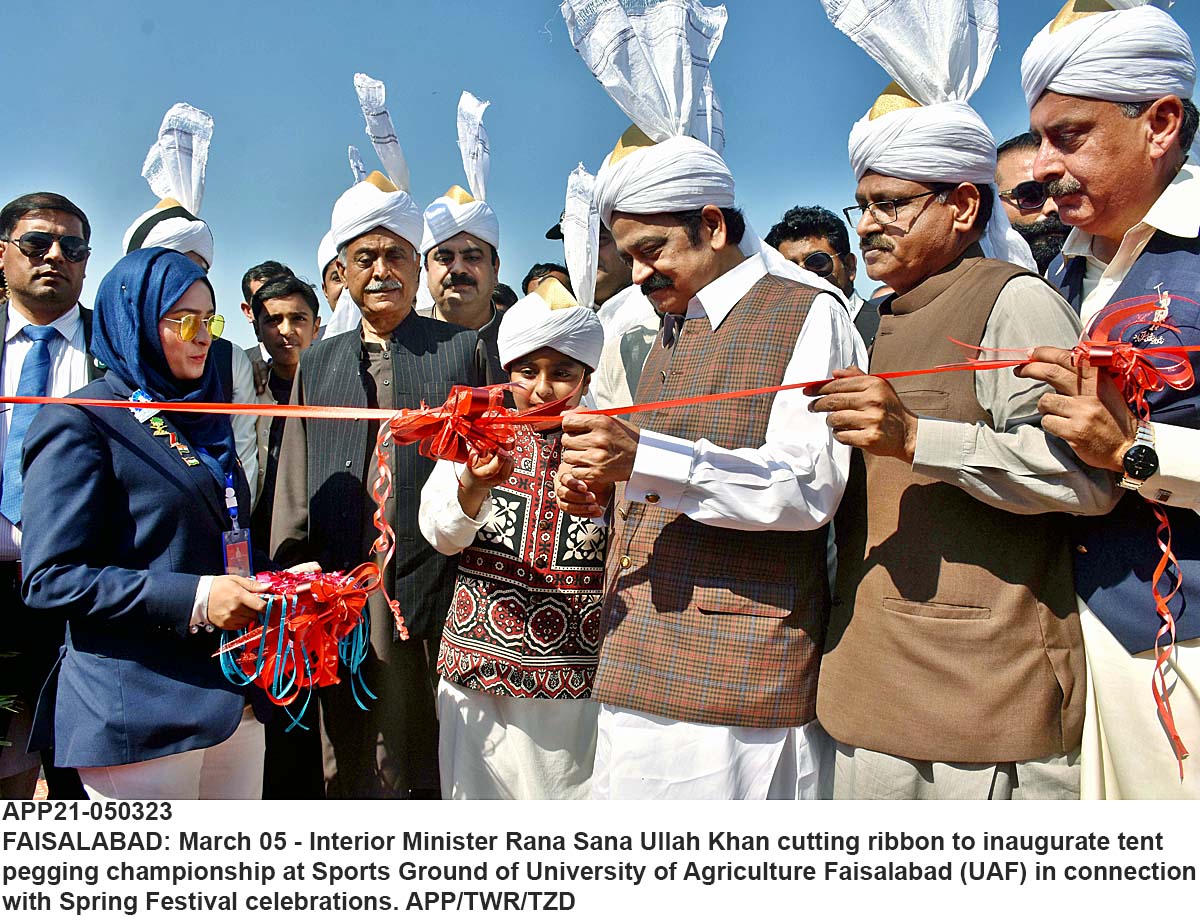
1141,460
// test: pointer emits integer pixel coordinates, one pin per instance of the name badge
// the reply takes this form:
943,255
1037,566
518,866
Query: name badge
236,546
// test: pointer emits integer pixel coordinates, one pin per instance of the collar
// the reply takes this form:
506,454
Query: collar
717,298
67,324
1176,212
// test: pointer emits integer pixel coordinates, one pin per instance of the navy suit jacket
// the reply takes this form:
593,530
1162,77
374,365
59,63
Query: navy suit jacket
117,531
1119,551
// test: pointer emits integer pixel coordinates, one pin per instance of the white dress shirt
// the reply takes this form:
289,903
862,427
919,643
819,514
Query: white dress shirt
1177,212
795,479
68,372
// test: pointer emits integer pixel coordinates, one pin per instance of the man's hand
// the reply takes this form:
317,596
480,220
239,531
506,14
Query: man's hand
234,602
598,449
866,412
262,376
1086,410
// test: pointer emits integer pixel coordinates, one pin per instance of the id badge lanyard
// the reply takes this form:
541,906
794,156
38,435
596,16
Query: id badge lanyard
235,542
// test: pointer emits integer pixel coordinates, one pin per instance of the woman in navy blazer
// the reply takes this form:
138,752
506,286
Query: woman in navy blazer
123,518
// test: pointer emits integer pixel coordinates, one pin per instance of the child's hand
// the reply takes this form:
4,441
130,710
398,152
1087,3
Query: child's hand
483,472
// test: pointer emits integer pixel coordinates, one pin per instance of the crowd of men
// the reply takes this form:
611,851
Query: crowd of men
927,587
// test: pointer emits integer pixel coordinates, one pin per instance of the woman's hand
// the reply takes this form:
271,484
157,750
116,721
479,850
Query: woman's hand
234,601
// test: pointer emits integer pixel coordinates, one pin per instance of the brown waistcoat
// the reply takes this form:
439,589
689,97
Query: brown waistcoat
953,633
702,623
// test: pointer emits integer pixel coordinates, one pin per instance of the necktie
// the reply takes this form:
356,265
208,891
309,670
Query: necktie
35,377
672,324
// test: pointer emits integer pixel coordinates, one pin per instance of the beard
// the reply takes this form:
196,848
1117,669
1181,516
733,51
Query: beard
1045,237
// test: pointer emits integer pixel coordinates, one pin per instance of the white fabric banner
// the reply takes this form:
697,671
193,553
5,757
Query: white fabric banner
581,234
176,163
371,99
653,60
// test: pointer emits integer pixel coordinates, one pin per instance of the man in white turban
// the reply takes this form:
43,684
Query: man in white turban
953,666
708,667
1110,93
394,359
461,241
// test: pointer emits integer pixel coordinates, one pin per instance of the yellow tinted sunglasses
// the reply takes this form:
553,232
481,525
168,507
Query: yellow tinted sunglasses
189,325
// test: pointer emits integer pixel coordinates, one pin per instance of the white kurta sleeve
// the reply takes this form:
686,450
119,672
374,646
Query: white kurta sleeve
793,481
442,520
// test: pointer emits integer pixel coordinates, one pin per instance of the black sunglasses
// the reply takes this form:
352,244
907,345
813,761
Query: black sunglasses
1026,196
819,263
36,243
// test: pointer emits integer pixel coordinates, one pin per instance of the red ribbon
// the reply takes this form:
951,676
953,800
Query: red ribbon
298,643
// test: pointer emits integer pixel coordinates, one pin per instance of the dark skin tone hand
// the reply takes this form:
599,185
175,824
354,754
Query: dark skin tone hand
866,412
598,452
1086,409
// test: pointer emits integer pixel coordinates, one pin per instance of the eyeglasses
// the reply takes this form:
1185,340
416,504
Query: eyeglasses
190,325
820,263
1026,196
36,243
884,212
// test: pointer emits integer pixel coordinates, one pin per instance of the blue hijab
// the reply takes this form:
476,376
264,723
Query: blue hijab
139,291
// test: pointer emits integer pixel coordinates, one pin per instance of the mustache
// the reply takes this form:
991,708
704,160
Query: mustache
1064,186
656,282
461,280
388,284
876,241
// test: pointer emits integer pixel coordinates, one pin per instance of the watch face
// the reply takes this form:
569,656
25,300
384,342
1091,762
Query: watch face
1141,462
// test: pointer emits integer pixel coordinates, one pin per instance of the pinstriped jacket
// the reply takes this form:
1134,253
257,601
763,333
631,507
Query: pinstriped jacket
323,503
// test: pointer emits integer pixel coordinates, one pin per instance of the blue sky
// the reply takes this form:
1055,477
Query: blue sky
87,84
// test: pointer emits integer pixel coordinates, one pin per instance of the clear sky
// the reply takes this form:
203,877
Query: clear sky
87,84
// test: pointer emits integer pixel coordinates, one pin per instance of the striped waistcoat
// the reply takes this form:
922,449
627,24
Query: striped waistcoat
710,624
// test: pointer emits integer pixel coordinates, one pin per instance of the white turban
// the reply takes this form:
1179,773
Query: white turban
365,207
326,253
445,217
458,212
532,323
679,174
939,52
180,233
1127,55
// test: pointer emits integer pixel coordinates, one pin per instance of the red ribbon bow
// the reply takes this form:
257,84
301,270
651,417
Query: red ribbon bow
300,641
473,422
